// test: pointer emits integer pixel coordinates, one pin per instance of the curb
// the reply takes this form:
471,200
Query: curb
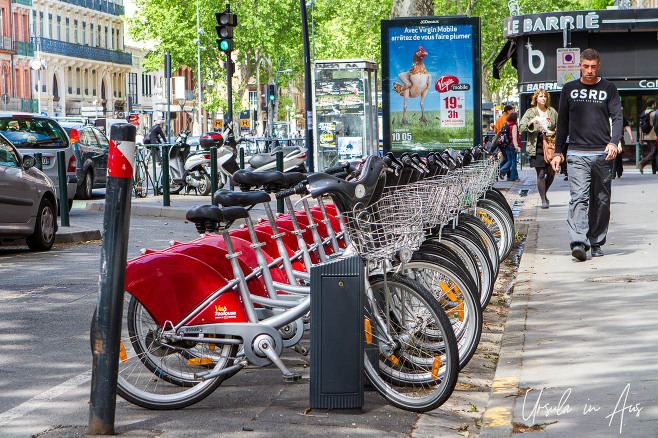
497,418
145,210
77,236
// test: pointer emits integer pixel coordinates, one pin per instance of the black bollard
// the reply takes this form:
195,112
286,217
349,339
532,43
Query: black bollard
213,174
106,332
279,167
241,158
165,176
63,189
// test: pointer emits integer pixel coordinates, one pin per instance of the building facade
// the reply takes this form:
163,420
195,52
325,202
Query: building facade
82,63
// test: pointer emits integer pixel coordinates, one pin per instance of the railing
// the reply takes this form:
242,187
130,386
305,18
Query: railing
85,52
5,43
23,105
99,5
23,48
23,2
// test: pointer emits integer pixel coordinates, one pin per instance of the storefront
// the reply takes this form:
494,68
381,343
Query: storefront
626,39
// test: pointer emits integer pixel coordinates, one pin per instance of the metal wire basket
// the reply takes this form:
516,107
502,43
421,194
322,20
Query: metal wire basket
391,224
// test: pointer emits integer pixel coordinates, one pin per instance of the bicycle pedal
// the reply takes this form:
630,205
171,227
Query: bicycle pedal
292,377
300,349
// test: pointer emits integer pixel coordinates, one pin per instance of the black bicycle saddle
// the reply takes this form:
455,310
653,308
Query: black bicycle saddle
229,198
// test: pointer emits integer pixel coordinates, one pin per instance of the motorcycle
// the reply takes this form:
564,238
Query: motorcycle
189,171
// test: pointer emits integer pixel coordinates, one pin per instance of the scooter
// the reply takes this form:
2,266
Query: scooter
177,155
294,159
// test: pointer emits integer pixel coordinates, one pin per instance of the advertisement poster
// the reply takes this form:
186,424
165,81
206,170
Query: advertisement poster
350,146
431,83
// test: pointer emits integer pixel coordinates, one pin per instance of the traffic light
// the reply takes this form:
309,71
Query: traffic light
226,22
271,95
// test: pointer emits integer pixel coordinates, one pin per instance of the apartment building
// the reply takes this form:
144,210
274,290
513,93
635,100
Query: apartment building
82,64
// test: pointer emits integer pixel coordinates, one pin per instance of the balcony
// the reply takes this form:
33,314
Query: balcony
23,105
5,43
23,2
83,52
23,48
98,5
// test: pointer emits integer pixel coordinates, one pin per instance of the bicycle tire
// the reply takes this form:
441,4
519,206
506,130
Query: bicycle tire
452,290
461,257
500,199
485,237
494,218
174,383
506,223
398,383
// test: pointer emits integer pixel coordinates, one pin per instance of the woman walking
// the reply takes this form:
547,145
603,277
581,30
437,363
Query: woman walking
538,122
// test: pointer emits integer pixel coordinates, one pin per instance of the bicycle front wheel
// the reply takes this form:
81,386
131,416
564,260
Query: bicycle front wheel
158,373
411,354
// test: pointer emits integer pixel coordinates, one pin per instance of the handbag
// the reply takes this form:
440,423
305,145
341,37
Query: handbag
549,147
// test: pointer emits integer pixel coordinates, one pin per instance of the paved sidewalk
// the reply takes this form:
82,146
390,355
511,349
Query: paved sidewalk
578,355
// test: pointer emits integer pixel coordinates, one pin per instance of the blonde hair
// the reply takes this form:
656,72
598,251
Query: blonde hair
533,102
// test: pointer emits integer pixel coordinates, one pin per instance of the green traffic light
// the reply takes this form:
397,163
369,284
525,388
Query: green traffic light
223,45
271,96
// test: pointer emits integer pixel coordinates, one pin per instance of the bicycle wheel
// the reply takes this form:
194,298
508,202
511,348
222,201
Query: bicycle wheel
411,354
494,219
461,257
453,290
141,180
160,373
496,196
487,239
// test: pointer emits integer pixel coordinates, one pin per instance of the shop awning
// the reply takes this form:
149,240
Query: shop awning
508,52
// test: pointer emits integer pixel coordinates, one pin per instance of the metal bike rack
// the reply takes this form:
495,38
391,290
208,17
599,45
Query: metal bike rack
337,334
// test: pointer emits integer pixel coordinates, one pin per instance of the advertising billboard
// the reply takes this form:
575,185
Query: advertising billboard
431,92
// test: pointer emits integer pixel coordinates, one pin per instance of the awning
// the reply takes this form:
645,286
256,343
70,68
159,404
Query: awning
508,52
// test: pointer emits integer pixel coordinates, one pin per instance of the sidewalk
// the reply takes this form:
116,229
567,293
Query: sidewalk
578,354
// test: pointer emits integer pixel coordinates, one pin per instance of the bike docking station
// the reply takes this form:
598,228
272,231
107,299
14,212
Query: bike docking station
106,330
337,334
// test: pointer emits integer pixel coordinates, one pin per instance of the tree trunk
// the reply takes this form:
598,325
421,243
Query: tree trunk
412,8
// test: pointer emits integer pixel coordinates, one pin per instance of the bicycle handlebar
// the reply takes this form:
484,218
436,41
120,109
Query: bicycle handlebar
299,189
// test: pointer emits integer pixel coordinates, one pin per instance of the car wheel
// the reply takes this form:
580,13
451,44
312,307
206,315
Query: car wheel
84,190
44,230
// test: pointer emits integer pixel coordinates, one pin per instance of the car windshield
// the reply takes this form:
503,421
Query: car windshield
28,132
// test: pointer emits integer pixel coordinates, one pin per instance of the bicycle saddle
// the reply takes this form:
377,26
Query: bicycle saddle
467,157
394,169
347,195
409,172
229,198
207,218
415,158
272,180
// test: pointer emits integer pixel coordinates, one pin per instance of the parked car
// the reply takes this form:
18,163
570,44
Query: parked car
31,133
27,200
91,149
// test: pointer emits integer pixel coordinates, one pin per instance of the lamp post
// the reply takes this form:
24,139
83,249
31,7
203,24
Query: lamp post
199,32
37,64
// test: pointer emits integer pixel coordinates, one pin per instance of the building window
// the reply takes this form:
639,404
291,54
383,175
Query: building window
91,34
93,82
253,99
67,30
69,76
40,24
84,33
132,87
50,25
112,46
59,28
106,42
33,27
75,31
98,44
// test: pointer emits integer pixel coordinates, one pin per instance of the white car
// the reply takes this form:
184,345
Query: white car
27,200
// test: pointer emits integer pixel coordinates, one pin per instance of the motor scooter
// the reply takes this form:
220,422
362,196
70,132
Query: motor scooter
178,153
294,159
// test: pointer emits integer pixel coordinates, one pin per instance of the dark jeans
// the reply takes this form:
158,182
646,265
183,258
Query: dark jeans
510,163
590,181
649,152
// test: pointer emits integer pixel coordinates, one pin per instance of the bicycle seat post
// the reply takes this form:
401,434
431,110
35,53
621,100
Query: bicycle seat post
260,258
327,223
314,232
237,272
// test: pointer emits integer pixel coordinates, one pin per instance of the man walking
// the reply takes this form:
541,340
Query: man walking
649,138
586,107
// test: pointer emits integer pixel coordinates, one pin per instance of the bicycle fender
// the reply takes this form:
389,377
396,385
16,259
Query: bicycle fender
170,286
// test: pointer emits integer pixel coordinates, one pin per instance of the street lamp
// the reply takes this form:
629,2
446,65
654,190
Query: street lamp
37,64
199,32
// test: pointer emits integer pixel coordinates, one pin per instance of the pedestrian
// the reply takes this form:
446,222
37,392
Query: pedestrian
510,151
488,138
586,107
618,166
539,122
154,136
500,122
649,138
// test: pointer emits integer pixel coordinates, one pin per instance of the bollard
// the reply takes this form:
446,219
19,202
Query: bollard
637,155
38,159
241,158
165,176
106,331
156,189
213,174
279,167
63,190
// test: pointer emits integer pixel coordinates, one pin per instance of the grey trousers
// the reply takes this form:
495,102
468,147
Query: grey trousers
589,209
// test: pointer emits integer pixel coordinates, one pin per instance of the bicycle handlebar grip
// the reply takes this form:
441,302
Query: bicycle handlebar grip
334,170
297,190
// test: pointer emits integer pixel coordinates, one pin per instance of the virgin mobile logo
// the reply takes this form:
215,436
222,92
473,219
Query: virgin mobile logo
444,83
